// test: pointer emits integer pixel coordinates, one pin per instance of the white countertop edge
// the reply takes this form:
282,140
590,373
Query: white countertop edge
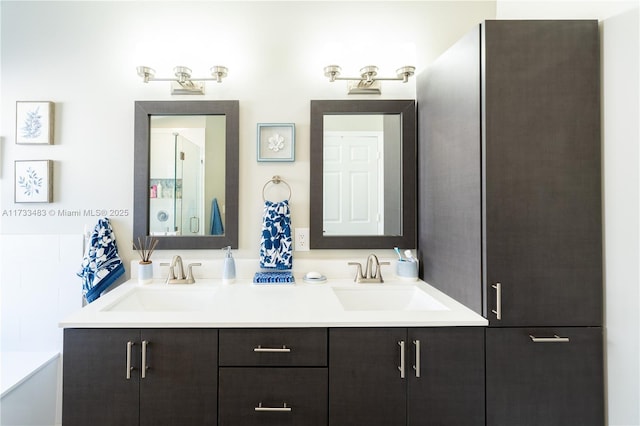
281,324
301,305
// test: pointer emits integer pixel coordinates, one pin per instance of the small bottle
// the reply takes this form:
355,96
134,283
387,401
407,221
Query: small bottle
229,267
159,193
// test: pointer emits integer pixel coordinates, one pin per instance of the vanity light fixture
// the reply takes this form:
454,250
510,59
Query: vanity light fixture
183,83
368,82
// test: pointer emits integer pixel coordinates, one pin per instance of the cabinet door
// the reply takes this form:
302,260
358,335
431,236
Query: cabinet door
365,387
269,396
542,172
96,389
446,376
552,382
180,383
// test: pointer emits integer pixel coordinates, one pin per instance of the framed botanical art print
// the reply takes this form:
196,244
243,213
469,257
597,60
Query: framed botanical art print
276,142
34,122
33,181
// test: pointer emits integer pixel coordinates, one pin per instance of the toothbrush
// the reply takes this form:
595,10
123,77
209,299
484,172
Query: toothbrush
409,255
398,252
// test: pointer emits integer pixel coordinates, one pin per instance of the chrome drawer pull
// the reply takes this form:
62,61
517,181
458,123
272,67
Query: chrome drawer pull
498,309
554,339
129,367
401,367
284,408
283,349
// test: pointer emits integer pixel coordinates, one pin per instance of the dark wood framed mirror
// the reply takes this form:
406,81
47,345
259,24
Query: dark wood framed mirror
363,174
196,152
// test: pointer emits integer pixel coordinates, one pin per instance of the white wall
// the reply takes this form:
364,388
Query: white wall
38,288
620,98
562,9
83,55
621,113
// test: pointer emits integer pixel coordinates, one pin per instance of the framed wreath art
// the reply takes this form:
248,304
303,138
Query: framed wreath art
276,141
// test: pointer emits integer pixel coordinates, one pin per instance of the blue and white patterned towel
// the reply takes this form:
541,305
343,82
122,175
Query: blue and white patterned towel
101,265
276,243
274,277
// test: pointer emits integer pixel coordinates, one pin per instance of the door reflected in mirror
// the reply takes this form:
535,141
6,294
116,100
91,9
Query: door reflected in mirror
362,177
363,174
187,175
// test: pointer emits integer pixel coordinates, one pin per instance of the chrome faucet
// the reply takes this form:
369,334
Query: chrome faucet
176,261
372,273
180,277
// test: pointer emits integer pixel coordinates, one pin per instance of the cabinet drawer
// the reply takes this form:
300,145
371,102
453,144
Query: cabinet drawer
544,376
273,347
272,396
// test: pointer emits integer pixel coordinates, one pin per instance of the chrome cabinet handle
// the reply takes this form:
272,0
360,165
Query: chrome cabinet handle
283,349
129,367
417,364
284,408
554,339
401,367
144,367
498,309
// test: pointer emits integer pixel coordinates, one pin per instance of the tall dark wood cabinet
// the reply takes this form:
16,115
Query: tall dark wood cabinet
104,384
510,209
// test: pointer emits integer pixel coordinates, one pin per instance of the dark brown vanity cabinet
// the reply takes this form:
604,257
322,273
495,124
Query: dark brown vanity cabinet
509,200
400,376
273,377
131,377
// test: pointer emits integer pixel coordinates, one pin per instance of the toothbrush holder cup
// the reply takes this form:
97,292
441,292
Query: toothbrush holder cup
407,270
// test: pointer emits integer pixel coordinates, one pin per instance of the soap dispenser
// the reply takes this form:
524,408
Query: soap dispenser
229,267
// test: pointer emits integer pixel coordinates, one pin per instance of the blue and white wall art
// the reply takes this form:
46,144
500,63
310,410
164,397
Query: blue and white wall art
33,181
34,122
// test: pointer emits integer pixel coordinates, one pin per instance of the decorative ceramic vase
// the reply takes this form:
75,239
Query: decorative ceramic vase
145,272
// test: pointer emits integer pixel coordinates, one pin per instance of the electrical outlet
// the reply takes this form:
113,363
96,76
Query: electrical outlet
302,239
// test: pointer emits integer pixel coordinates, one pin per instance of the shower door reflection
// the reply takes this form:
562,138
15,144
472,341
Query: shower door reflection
176,182
188,205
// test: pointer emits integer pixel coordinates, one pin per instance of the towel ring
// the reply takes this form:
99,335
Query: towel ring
275,180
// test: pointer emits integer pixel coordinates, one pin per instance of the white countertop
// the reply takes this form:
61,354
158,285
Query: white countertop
244,304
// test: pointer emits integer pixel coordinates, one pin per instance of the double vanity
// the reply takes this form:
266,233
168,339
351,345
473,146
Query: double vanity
339,353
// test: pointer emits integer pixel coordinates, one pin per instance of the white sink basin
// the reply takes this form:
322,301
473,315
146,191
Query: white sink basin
163,300
387,298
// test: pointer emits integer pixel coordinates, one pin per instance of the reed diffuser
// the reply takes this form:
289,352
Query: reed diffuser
145,248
